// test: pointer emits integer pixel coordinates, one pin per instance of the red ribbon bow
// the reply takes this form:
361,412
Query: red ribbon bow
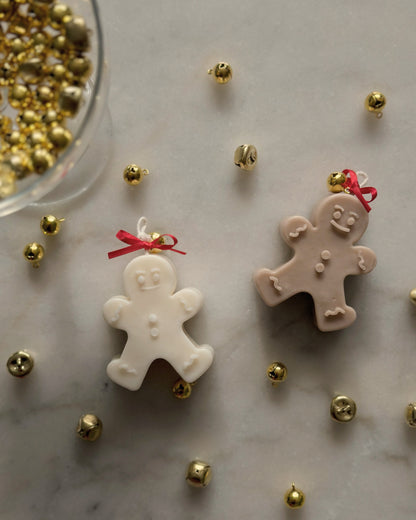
352,185
136,243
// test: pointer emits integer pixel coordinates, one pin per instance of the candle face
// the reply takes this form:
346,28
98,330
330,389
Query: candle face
324,255
152,314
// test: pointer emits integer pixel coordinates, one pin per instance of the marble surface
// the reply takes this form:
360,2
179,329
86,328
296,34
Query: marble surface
301,73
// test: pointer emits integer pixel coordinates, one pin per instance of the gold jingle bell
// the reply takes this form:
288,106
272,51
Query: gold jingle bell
222,72
161,240
294,498
89,427
245,157
50,225
375,102
411,415
199,474
343,409
412,296
335,182
133,174
276,373
20,364
181,389
34,253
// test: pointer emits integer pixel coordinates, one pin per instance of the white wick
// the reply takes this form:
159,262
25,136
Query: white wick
364,178
141,230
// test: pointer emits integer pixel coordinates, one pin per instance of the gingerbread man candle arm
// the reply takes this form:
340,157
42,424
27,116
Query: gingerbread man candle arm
113,309
294,228
363,260
189,301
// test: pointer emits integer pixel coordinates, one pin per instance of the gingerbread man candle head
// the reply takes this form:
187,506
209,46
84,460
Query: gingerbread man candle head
324,254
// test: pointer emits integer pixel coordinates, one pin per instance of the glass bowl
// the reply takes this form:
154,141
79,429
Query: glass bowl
68,169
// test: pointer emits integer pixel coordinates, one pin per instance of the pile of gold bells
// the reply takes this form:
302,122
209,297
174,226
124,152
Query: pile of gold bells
43,72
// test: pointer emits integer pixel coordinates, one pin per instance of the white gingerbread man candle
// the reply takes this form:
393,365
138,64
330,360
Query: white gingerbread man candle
324,254
152,314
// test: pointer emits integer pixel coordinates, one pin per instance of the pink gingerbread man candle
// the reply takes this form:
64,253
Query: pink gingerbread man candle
324,254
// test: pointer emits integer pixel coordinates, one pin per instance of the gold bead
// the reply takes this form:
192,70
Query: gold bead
57,14
245,156
161,240
294,498
17,46
41,160
36,138
79,68
59,45
57,74
89,427
19,162
181,389
133,174
199,474
20,364
343,408
6,9
50,225
19,96
70,100
44,96
335,182
412,296
6,124
7,73
277,373
32,70
7,181
222,72
33,253
15,138
411,415
40,42
27,118
59,136
375,102
51,117
76,33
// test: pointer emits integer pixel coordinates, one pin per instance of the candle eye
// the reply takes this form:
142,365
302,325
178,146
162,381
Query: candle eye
337,215
351,221
140,279
156,277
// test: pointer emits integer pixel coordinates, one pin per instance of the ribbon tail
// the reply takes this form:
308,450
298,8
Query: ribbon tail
124,251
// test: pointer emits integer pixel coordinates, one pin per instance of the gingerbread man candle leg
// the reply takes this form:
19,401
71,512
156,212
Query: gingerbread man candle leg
332,313
274,286
130,369
191,361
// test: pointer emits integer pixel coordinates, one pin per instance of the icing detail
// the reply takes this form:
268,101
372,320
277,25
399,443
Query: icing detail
124,367
275,281
361,262
341,228
154,332
188,308
335,312
299,230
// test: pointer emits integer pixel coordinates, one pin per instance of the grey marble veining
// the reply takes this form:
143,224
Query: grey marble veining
301,73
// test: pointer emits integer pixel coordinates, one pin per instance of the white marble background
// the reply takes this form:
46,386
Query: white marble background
301,72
